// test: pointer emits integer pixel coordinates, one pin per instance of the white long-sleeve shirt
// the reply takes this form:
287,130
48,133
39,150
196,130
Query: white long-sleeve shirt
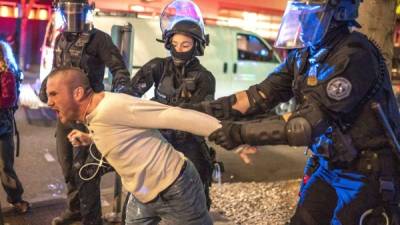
124,129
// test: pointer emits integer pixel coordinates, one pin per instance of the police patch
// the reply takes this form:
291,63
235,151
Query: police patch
338,88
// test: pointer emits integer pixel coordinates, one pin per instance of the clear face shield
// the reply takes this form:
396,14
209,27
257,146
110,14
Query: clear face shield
180,10
304,24
73,17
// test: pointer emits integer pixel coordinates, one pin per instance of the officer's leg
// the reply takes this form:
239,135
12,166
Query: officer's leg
356,195
89,190
9,179
317,203
65,157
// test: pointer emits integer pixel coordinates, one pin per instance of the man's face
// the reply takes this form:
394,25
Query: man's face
61,100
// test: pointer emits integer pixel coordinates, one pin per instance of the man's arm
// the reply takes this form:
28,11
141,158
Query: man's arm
154,115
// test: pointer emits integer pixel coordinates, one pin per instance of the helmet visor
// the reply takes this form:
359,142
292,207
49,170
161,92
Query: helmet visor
303,24
73,17
180,10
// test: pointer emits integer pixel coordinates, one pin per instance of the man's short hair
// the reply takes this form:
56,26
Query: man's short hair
79,78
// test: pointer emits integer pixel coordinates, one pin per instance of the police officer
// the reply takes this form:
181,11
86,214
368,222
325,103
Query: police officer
181,78
82,46
338,78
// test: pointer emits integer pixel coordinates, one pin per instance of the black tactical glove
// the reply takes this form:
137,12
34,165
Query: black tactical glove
194,106
228,136
220,108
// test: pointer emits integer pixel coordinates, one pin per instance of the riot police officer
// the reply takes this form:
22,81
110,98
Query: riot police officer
82,46
338,78
181,78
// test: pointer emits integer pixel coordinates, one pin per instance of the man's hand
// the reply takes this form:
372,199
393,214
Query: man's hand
228,136
79,138
245,151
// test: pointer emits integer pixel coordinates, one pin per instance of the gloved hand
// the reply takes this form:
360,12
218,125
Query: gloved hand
220,108
228,136
193,106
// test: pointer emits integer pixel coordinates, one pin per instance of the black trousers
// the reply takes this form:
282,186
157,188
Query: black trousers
335,198
8,177
83,197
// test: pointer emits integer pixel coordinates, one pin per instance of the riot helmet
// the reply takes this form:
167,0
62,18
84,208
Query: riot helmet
306,22
183,17
73,16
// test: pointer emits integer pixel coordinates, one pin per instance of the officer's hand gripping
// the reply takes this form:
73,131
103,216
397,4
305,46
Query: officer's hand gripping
228,136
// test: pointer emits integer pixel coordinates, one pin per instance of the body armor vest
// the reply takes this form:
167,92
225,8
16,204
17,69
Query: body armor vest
175,86
70,53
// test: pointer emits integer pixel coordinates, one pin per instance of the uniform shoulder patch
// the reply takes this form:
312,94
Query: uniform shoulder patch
338,88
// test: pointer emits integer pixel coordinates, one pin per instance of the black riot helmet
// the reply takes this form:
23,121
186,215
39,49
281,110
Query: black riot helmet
306,22
183,17
73,16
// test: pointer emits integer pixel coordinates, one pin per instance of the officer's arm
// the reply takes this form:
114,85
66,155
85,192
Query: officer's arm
111,56
338,96
205,88
147,76
296,129
261,97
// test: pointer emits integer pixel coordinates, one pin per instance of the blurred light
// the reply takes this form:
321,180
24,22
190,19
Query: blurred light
89,16
5,11
31,14
16,12
43,14
137,8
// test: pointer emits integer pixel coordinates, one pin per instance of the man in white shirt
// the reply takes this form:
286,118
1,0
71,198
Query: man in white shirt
164,185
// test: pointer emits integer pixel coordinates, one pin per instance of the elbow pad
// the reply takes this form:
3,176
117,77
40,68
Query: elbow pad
298,132
266,132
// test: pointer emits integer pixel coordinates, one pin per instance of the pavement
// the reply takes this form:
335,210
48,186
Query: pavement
41,177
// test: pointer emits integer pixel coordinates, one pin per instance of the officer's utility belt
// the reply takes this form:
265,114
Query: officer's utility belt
368,162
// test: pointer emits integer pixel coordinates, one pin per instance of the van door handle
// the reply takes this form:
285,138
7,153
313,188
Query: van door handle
225,67
235,68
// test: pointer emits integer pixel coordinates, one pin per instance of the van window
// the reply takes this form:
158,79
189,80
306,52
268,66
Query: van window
251,48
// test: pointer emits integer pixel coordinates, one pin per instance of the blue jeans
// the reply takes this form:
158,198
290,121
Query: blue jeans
182,203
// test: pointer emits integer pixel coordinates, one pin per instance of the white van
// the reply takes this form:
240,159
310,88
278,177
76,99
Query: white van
237,58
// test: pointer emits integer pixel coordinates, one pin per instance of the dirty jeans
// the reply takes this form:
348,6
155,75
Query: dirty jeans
8,177
182,203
